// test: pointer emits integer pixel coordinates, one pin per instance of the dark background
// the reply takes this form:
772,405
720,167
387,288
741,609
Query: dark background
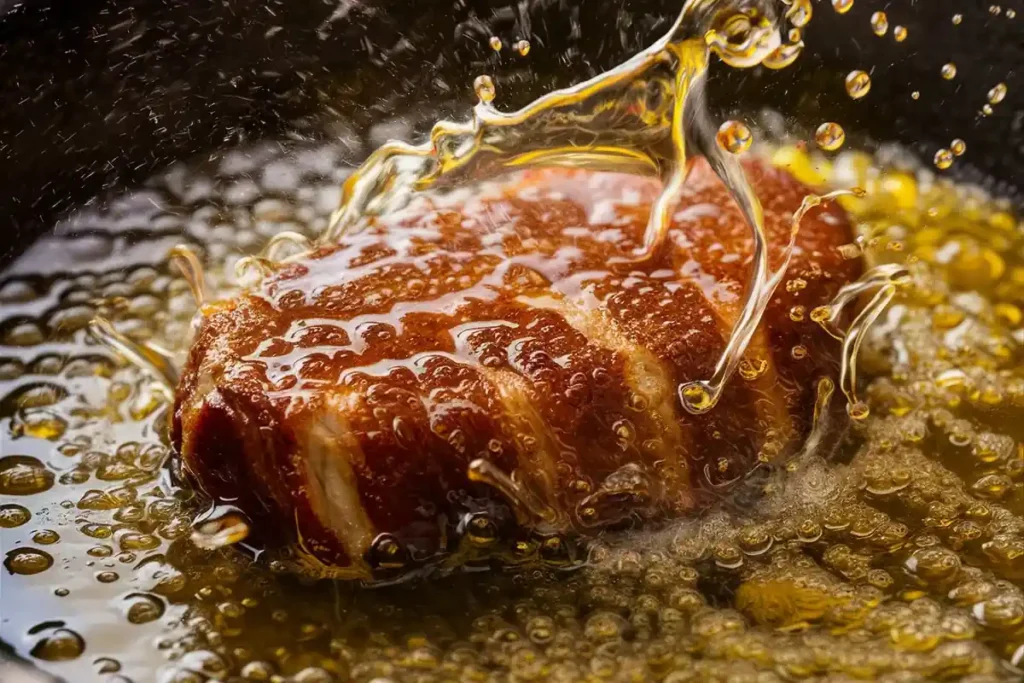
97,94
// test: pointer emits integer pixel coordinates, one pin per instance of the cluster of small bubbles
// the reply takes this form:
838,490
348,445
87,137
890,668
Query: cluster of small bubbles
734,137
858,84
879,23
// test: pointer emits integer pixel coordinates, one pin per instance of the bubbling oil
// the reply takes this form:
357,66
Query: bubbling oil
898,558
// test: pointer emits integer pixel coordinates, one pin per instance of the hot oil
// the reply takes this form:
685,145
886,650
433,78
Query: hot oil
901,555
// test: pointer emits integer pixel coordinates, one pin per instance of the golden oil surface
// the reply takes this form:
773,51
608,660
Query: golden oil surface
899,558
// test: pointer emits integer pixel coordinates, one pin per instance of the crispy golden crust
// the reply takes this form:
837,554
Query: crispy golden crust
347,396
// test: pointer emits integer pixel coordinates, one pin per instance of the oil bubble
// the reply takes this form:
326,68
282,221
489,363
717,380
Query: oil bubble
483,86
143,608
830,136
27,561
842,6
943,159
23,475
997,94
734,137
858,84
879,23
12,515
60,644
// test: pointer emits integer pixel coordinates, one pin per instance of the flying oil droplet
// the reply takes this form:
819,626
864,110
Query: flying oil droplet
948,71
799,13
1011,14
523,47
495,43
842,6
484,88
958,147
957,18
916,95
987,110
830,136
997,94
899,33
734,137
943,159
879,23
858,84
994,10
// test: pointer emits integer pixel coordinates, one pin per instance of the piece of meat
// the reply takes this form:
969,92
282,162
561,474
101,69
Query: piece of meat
343,403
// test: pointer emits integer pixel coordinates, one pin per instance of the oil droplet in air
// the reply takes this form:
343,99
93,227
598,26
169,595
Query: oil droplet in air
842,6
13,516
1011,14
958,147
899,33
27,561
957,18
830,136
523,47
23,475
943,159
916,95
858,84
495,43
948,71
858,411
799,13
59,645
879,23
997,94
484,88
994,10
734,137
987,110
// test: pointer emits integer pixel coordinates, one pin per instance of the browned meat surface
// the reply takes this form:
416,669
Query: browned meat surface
341,403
